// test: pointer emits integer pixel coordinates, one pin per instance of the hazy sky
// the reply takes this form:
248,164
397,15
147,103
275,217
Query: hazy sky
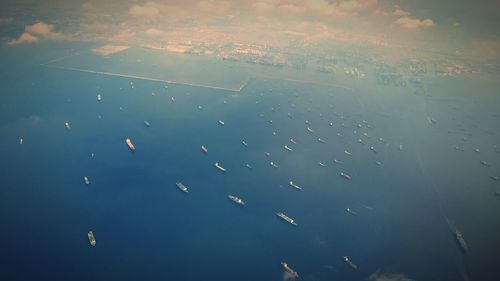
468,26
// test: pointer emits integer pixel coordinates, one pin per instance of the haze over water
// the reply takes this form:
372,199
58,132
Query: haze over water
418,136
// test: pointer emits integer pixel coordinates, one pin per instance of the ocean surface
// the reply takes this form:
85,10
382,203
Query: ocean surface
407,207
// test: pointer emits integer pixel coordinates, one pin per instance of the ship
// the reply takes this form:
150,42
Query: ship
497,193
91,237
293,141
99,98
495,178
21,141
130,144
295,186
248,166
344,175
378,163
218,166
337,161
286,218
351,212
86,180
236,200
244,143
182,187
349,262
401,147
147,124
373,149
221,123
321,140
347,152
361,141
67,125
267,154
272,164
322,164
204,149
310,130
461,241
288,269
288,148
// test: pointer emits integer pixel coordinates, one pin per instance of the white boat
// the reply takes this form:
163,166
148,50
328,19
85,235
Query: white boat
295,186
347,152
147,124
344,175
288,148
373,149
348,210
350,263
293,141
130,144
248,166
204,149
272,164
21,141
182,187
67,125
218,166
321,164
91,237
310,130
99,98
86,180
321,140
221,122
236,200
244,143
289,270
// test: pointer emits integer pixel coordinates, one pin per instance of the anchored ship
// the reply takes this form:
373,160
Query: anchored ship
286,218
221,123
351,212
67,125
461,241
290,270
310,130
295,186
182,187
204,149
244,143
147,124
350,263
288,148
86,180
344,175
321,140
236,200
272,164
130,145
293,141
218,166
91,237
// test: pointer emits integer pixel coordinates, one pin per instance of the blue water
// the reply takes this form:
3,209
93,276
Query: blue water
146,229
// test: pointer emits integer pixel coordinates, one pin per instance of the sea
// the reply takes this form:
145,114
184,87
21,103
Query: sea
422,164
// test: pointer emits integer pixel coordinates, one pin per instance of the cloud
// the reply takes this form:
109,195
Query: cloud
413,23
388,277
24,38
154,32
150,9
401,13
32,33
353,6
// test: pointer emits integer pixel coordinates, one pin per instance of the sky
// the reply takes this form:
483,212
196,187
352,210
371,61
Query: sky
465,27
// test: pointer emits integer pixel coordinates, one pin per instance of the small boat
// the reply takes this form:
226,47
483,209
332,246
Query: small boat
91,237
147,124
497,193
218,166
344,175
204,149
349,262
310,130
361,141
321,140
347,152
378,163
221,122
99,98
373,149
67,125
495,178
172,99
267,154
337,161
289,270
288,148
484,163
272,164
322,164
182,187
400,147
244,143
248,166
86,180
293,141
348,210
21,141
286,218
236,200
295,186
130,144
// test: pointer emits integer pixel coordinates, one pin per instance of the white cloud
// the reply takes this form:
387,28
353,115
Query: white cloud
401,13
413,23
24,38
32,33
154,32
353,6
150,9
